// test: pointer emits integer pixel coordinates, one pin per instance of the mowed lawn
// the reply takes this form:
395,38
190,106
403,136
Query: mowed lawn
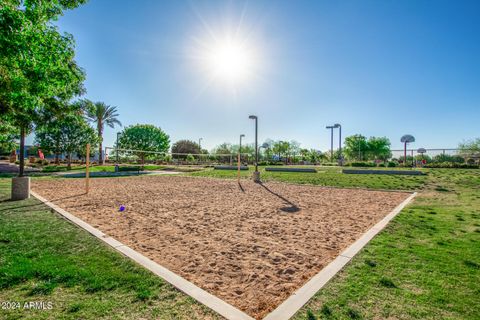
425,264
326,176
43,258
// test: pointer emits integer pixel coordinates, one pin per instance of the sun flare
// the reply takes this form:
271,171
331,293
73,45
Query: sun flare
230,61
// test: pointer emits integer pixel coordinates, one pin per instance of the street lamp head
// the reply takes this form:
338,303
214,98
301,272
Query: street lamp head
336,125
242,136
252,117
329,127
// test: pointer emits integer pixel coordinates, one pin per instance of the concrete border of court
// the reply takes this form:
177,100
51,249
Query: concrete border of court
216,304
300,297
284,311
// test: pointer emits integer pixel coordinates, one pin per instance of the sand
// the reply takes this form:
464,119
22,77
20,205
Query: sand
251,245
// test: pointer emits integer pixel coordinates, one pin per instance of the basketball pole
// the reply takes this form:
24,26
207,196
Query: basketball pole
87,171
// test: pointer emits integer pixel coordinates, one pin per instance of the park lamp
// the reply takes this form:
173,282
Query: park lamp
331,140
337,125
256,174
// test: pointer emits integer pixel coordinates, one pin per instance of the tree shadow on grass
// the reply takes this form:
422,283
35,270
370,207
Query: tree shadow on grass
34,205
290,208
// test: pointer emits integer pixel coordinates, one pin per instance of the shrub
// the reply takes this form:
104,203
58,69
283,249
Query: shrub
392,164
451,165
190,158
362,164
382,165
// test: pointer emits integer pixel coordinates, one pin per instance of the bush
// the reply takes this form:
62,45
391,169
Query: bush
362,164
42,162
382,165
329,164
451,165
190,158
392,164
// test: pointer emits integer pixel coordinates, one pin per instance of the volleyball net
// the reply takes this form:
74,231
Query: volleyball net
130,156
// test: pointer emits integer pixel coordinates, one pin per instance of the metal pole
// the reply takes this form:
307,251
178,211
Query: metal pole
256,174
331,144
256,144
405,155
340,144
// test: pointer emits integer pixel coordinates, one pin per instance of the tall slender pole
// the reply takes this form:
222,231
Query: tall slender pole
256,174
405,154
256,144
340,145
200,144
87,169
331,144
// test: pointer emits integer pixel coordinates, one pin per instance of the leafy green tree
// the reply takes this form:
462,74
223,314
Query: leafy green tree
100,114
8,137
470,148
379,148
69,134
355,147
185,147
37,62
224,148
144,137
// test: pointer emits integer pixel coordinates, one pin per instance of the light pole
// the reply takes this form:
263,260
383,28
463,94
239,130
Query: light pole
256,174
337,125
331,141
200,144
240,146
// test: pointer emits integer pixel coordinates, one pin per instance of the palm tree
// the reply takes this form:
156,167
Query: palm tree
101,114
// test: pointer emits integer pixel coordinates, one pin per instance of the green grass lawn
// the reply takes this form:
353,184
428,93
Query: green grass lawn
326,176
424,265
45,258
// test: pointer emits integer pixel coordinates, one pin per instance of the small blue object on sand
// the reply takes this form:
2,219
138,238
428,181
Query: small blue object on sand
122,208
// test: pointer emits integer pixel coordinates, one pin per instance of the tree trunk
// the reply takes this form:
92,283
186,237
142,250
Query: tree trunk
69,161
57,152
100,142
22,152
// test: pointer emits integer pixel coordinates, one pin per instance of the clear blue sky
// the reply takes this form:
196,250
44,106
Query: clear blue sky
380,68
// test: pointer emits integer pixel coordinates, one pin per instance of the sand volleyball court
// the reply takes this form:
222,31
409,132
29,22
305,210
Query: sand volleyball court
251,245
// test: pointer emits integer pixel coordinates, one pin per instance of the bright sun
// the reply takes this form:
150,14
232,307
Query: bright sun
230,61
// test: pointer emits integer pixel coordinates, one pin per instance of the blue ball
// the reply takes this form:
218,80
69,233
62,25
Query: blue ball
122,208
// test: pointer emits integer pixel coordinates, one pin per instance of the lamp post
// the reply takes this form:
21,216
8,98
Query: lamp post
256,174
340,160
331,141
240,146
200,144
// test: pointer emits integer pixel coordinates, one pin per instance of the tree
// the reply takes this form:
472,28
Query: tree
69,134
469,148
224,148
185,147
37,65
100,114
355,147
144,137
379,148
8,137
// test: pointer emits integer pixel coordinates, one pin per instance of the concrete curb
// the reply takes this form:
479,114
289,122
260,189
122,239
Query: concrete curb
216,304
300,297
